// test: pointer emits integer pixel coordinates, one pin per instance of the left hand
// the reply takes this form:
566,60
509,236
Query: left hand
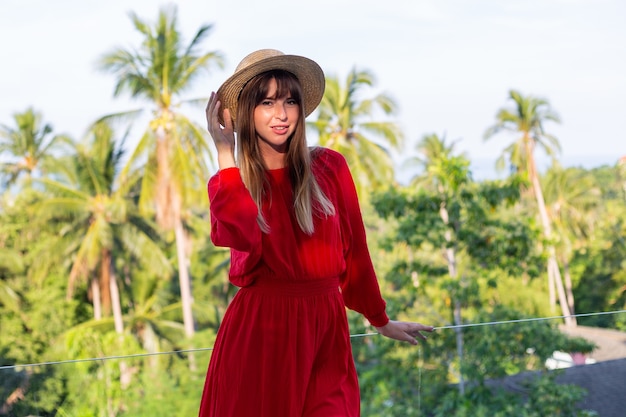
404,331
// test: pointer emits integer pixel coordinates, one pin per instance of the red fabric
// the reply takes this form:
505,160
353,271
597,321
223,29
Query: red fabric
283,348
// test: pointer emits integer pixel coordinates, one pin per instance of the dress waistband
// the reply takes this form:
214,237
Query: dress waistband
294,287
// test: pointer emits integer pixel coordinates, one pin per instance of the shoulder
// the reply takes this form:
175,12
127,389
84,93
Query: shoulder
327,158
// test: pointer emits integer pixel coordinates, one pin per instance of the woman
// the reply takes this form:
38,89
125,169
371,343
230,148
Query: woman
291,217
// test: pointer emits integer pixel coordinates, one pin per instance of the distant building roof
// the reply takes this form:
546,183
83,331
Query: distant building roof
605,383
611,343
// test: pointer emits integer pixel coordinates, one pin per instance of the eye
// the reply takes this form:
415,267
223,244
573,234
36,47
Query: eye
266,102
292,102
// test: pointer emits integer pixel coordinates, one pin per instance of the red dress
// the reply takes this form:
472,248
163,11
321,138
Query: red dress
283,348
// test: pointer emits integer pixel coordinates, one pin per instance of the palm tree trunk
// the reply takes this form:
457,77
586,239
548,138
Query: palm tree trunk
568,287
168,210
164,180
116,305
185,281
169,207
118,320
551,291
459,344
96,297
452,271
553,266
105,289
183,275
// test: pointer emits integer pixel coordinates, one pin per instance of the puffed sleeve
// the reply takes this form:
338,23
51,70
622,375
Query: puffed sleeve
234,222
359,284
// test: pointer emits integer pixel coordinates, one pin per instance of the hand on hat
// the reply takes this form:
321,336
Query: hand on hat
223,136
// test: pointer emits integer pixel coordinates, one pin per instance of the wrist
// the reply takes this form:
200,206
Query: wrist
225,160
379,320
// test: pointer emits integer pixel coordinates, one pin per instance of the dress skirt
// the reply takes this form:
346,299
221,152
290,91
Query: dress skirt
298,359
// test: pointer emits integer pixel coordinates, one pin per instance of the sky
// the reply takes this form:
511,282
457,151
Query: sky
448,64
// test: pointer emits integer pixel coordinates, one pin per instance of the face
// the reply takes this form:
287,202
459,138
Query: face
275,120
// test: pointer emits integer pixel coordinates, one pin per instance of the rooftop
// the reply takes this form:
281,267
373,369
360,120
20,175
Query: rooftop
605,383
611,344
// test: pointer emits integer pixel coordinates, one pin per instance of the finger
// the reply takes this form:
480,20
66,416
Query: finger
422,328
421,336
416,331
215,109
228,122
214,124
209,110
412,340
210,104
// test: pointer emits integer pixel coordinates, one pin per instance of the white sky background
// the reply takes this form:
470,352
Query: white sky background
449,64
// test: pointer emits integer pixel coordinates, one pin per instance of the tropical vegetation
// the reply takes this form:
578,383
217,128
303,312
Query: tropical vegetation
111,291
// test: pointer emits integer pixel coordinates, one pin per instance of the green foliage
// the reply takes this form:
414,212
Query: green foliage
496,257
597,267
543,397
489,239
576,345
176,392
549,398
346,124
520,346
602,280
448,250
401,380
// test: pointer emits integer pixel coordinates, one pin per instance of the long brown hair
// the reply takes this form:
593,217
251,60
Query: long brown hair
309,199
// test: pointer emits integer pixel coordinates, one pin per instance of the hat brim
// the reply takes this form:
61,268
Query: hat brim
309,74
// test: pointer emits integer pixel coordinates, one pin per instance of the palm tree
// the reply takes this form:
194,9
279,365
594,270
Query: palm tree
100,221
431,148
445,174
346,124
527,120
99,218
28,145
175,148
149,320
571,199
528,117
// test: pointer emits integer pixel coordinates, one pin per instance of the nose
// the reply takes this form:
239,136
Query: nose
280,112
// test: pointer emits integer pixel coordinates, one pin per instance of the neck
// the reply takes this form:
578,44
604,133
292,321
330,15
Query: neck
274,164
274,160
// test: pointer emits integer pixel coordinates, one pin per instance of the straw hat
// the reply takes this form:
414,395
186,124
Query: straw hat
308,72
